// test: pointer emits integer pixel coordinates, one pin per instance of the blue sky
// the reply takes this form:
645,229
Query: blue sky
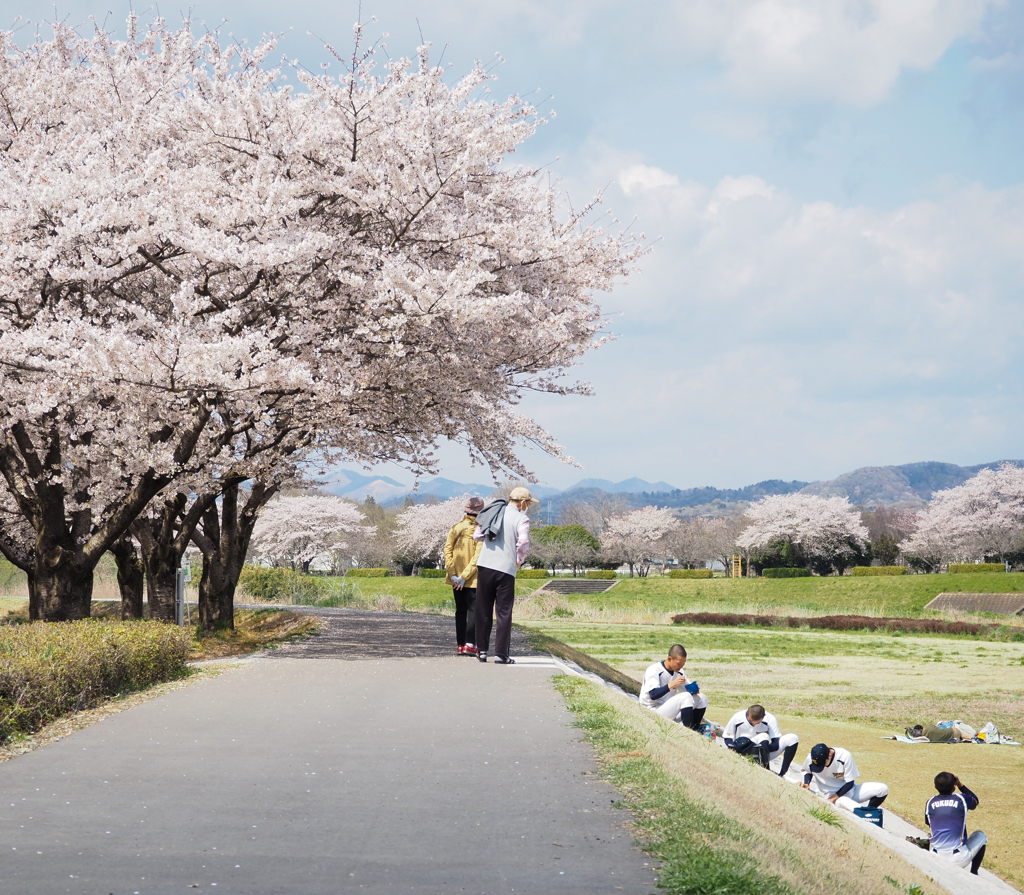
838,188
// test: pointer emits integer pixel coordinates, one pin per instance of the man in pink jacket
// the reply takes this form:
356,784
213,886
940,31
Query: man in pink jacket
497,565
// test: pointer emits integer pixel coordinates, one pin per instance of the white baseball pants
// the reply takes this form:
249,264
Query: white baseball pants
964,855
785,741
672,706
861,794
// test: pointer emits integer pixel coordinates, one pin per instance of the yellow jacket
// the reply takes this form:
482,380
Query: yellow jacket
461,551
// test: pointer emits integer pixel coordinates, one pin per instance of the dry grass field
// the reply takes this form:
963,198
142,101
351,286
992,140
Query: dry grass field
850,689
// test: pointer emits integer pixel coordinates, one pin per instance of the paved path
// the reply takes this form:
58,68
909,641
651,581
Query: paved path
306,773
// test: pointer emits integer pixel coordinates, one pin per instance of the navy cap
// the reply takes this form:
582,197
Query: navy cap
819,755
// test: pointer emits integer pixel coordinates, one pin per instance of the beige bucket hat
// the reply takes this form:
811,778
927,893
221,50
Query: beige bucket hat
521,493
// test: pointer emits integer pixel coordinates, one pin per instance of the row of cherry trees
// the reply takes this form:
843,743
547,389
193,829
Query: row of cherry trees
211,282
981,519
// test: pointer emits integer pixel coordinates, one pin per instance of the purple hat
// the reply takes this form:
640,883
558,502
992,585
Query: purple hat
474,505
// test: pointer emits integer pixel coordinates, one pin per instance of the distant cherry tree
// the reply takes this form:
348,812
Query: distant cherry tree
296,529
422,528
827,532
638,538
694,543
981,519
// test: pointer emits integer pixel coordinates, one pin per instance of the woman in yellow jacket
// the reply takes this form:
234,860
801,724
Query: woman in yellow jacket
460,555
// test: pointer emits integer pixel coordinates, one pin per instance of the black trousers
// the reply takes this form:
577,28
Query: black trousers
464,623
495,594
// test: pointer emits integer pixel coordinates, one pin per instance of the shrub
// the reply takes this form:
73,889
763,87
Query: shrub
368,573
721,619
431,573
282,585
690,573
49,670
785,573
960,568
869,571
533,573
602,575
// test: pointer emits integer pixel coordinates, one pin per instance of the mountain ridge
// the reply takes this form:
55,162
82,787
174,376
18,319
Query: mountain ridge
908,484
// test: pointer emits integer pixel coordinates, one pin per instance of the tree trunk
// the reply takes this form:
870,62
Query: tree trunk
33,595
164,533
223,536
63,589
130,578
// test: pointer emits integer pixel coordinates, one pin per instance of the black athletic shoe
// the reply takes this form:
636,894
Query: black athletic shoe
504,660
482,656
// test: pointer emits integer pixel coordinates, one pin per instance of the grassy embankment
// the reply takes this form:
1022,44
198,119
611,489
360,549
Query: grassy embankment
654,600
719,824
851,689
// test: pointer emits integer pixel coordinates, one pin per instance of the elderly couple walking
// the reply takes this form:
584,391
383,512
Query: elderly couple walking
482,555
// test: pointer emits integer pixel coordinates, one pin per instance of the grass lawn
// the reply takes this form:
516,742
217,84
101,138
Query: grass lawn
850,689
905,595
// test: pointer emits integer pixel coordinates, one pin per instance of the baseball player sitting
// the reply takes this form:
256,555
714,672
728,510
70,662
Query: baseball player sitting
946,816
668,691
756,732
832,773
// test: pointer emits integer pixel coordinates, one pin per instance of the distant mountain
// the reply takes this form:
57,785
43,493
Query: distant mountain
628,486
911,484
387,491
357,486
445,488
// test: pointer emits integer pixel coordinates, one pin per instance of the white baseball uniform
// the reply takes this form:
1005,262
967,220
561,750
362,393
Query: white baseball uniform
654,693
765,731
841,776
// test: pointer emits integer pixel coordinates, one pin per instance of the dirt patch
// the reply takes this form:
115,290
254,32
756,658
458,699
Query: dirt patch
255,629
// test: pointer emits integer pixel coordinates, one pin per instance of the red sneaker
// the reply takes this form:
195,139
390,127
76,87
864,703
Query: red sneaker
462,651
470,651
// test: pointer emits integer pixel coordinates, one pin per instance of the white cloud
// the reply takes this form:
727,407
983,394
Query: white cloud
643,178
847,51
776,337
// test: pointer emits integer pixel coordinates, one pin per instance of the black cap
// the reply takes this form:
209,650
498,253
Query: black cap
819,755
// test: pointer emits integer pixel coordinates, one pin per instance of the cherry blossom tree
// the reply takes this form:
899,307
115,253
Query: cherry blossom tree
827,531
296,529
423,527
694,543
984,517
192,254
638,537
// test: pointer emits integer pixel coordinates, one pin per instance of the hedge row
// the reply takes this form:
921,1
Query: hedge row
262,583
49,670
871,571
690,573
785,573
601,575
368,573
956,568
851,623
427,573
533,573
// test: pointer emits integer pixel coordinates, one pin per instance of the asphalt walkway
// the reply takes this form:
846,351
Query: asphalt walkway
370,759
